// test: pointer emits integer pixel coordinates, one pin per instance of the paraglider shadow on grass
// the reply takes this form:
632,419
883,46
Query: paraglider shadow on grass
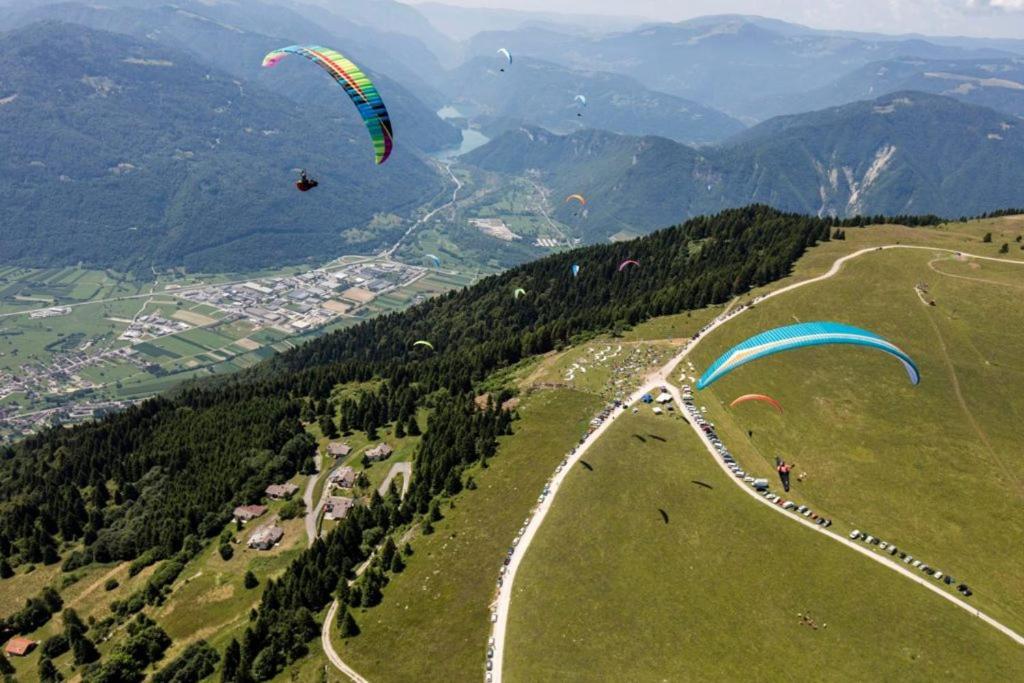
640,438
700,483
658,438
587,465
664,515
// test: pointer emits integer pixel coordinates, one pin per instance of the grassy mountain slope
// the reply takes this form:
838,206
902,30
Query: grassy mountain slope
157,158
714,592
541,93
928,467
902,153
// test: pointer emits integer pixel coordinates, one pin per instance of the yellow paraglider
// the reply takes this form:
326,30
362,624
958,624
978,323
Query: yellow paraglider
578,197
518,293
423,342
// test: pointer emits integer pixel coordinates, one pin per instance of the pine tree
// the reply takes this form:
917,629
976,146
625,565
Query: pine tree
84,651
387,552
232,658
349,627
372,594
413,428
52,599
250,581
397,564
48,672
6,571
399,430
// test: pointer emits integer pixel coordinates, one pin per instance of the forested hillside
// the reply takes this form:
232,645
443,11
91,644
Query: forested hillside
233,38
165,475
125,153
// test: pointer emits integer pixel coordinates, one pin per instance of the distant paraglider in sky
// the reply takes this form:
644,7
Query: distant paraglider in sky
575,269
797,337
582,101
578,198
423,342
503,51
433,259
357,86
518,293
628,262
305,183
757,397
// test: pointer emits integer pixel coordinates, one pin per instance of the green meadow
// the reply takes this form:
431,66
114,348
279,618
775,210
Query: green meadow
935,468
433,623
652,566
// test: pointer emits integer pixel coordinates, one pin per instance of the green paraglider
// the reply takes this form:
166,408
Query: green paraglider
357,86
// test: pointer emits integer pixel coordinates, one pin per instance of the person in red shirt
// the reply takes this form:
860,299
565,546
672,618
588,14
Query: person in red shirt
783,470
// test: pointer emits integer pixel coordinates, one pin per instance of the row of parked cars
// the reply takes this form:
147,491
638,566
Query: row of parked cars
598,420
758,484
891,549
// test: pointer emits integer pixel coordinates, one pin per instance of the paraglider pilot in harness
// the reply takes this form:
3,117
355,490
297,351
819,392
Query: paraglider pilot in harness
305,183
783,469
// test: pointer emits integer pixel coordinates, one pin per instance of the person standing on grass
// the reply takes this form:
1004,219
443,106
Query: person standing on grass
783,470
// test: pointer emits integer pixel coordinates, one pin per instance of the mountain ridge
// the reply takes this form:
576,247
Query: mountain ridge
899,154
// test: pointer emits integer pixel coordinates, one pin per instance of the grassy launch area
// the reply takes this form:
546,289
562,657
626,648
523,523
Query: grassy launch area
610,589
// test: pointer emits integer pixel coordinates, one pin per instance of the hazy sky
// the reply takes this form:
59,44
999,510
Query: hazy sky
1002,18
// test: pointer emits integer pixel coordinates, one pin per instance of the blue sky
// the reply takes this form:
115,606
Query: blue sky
995,18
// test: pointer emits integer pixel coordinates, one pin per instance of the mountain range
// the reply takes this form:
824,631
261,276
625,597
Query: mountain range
533,91
728,62
995,83
903,153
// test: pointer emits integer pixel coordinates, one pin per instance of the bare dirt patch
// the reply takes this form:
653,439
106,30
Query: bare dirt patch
193,318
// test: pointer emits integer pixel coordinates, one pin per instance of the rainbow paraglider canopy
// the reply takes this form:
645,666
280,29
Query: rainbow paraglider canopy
357,86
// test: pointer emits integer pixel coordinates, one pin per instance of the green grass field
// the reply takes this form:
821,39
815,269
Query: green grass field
935,468
433,623
611,591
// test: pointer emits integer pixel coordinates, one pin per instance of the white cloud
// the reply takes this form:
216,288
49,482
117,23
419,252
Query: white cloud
1004,5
